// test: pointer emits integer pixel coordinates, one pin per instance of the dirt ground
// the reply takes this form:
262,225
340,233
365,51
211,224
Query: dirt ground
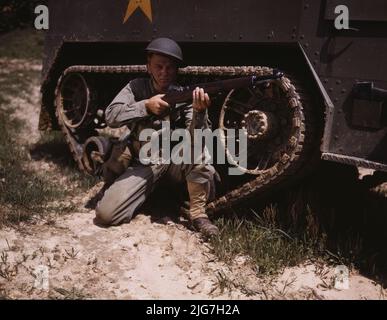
68,256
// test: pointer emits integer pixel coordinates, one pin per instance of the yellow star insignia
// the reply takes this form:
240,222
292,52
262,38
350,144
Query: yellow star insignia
144,5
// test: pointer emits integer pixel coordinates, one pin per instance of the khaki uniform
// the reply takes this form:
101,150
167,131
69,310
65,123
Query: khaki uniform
130,190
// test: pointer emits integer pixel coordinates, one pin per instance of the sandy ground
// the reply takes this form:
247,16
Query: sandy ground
68,256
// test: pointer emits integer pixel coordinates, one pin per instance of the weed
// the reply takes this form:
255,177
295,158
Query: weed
72,294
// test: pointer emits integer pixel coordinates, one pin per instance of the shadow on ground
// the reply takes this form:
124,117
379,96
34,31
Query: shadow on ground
336,211
53,148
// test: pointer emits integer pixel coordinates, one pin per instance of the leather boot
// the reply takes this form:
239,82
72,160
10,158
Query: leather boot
205,227
198,195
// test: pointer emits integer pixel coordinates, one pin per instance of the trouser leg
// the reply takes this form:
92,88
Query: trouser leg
127,194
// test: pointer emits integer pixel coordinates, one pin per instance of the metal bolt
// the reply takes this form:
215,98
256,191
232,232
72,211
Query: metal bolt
338,81
343,91
302,36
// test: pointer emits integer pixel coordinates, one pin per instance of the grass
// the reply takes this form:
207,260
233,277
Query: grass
27,193
269,248
22,44
24,193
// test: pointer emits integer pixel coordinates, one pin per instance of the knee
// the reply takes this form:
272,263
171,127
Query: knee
103,216
107,215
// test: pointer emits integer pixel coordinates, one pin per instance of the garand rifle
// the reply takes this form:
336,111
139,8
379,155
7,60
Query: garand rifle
184,94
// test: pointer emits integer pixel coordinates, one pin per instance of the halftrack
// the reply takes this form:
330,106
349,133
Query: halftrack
331,104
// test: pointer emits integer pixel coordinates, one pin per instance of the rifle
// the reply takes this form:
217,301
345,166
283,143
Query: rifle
184,94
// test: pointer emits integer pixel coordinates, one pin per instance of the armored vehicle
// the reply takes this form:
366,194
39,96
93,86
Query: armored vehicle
331,103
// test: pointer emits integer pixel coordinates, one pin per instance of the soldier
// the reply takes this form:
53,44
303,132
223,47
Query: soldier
133,106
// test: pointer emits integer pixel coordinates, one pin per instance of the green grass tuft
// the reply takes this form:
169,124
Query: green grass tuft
22,44
269,248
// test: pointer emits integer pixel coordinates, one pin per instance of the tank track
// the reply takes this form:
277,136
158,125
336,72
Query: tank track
292,159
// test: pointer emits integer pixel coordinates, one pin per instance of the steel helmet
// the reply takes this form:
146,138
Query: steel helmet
166,46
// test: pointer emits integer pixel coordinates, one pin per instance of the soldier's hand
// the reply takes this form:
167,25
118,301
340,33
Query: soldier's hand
200,100
156,104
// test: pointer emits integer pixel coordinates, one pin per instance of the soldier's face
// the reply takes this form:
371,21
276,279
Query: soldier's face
163,69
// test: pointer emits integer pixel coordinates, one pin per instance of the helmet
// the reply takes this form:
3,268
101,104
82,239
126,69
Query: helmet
166,46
